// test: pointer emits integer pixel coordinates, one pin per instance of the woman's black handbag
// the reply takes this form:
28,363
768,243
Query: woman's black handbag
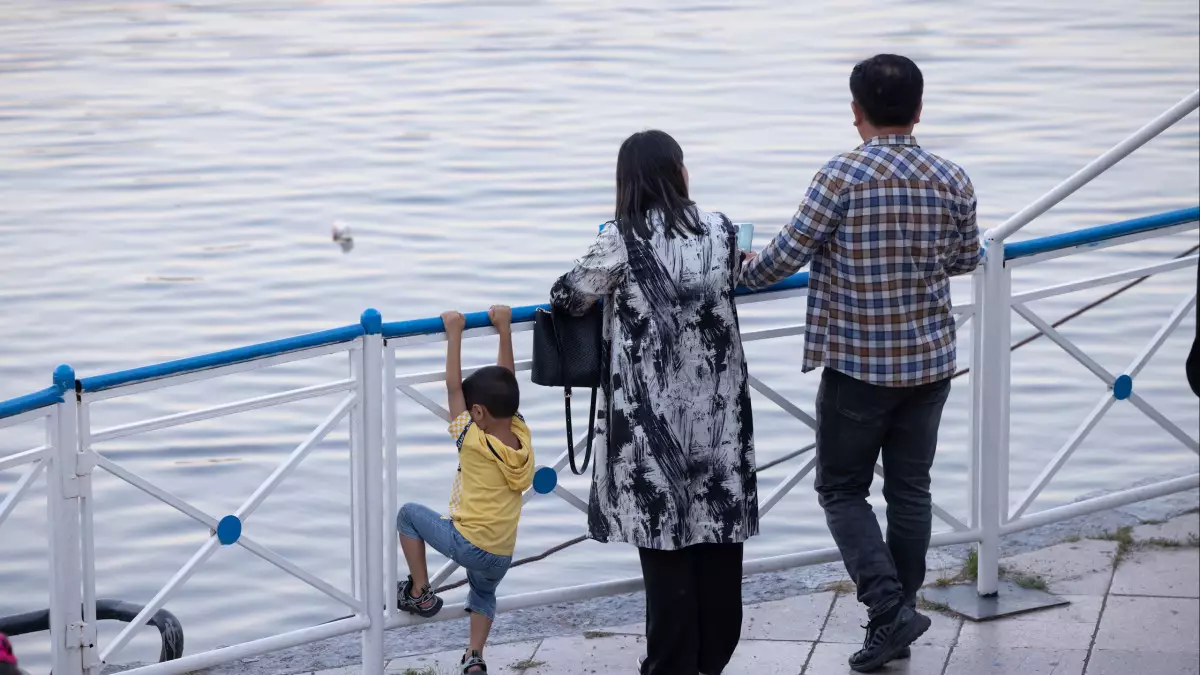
567,353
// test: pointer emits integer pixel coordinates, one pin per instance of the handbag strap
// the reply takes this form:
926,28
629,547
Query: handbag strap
587,454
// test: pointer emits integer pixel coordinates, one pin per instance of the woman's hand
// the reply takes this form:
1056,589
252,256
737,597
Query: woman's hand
501,316
454,322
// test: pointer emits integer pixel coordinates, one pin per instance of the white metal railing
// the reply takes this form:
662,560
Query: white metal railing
373,389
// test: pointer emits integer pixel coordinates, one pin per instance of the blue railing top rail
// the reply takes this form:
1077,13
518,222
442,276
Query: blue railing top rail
64,379
23,404
1095,235
525,314
372,323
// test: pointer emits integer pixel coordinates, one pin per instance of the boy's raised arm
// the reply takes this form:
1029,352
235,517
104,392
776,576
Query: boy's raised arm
454,323
501,317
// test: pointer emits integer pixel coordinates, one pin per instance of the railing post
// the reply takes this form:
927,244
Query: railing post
991,444
390,488
977,285
371,519
68,632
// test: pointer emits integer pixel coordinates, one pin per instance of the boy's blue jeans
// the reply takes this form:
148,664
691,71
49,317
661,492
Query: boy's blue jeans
484,570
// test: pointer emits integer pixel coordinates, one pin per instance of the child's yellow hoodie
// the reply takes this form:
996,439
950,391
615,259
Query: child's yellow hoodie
485,502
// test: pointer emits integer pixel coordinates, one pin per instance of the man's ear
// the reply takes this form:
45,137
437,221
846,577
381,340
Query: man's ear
917,117
857,111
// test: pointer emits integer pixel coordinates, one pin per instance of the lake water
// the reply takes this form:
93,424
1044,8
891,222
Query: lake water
169,173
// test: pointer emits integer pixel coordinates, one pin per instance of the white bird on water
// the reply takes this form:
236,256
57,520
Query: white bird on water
343,236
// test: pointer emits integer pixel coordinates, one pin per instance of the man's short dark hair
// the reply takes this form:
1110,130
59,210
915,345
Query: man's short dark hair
495,388
888,88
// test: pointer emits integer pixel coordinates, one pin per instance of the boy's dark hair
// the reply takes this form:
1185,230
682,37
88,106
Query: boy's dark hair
495,388
888,88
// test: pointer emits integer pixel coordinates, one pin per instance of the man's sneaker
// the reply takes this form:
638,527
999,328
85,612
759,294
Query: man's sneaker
905,653
886,642
425,605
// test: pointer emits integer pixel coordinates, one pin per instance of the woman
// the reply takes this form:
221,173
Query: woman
676,476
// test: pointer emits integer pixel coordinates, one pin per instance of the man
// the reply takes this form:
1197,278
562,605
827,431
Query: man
885,227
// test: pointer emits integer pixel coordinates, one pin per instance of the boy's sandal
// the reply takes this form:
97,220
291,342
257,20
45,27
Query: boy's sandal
425,605
473,660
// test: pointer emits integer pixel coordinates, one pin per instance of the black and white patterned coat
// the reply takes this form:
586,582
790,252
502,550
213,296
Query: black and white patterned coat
676,465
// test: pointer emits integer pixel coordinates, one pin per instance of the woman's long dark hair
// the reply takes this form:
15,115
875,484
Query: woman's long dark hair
650,178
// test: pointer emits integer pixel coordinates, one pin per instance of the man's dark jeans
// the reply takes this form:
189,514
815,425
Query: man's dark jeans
855,422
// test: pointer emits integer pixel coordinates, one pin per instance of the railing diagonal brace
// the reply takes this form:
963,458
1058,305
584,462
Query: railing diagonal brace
299,572
778,399
283,470
1061,340
1160,419
426,402
23,484
1139,362
1064,453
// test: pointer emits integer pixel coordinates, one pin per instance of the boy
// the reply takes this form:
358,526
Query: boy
495,465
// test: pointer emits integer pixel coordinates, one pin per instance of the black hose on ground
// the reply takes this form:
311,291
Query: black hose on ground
169,629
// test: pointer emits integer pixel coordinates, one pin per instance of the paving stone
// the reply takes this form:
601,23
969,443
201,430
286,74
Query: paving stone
1150,624
500,659
1069,627
1179,529
1005,660
1166,572
831,659
638,628
1119,662
940,564
848,616
345,670
755,657
559,656
797,618
1075,568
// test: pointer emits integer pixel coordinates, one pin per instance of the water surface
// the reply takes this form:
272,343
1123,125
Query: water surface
169,172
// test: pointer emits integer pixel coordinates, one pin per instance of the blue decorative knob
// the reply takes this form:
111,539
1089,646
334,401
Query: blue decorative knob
229,530
64,378
544,480
1122,387
372,322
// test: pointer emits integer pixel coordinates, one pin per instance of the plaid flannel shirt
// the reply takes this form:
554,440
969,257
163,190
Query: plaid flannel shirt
885,227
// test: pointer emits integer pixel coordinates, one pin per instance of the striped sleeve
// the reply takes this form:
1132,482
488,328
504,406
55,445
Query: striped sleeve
819,215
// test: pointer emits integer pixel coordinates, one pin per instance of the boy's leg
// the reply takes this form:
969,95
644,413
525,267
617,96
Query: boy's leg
416,525
481,626
481,601
418,568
